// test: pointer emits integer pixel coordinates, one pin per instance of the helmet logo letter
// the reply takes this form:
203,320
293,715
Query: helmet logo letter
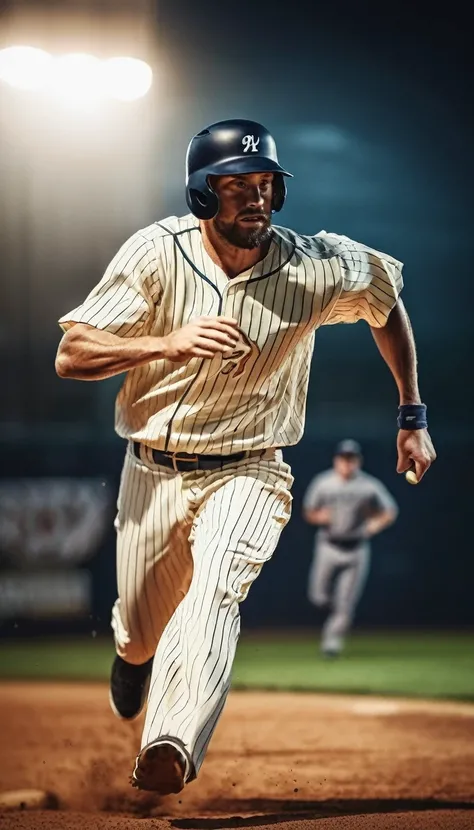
250,143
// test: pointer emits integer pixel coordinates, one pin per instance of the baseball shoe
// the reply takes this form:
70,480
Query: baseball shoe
163,766
129,686
330,653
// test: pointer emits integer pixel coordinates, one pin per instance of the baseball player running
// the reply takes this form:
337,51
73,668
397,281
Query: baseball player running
350,507
211,316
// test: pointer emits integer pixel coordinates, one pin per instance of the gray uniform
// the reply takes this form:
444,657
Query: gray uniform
341,554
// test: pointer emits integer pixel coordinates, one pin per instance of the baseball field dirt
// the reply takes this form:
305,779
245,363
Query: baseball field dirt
292,760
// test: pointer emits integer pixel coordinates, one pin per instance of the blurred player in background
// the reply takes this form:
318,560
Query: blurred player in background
350,507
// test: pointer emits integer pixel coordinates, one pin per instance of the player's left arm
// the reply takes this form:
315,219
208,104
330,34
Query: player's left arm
378,523
371,285
396,343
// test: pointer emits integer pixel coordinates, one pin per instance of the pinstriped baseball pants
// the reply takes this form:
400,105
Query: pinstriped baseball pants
189,546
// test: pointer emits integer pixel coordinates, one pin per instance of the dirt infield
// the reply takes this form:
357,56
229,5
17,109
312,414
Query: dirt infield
296,761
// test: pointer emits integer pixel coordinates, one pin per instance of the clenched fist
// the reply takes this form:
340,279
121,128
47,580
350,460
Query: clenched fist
415,448
203,337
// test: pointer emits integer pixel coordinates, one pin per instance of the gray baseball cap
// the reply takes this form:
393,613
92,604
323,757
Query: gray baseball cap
348,447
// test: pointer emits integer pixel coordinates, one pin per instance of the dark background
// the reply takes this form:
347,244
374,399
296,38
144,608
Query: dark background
371,110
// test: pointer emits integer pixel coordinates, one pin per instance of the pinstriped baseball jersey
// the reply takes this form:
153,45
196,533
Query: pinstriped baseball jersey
254,396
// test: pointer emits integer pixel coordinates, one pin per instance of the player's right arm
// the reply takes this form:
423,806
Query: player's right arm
315,512
384,510
88,353
322,516
110,332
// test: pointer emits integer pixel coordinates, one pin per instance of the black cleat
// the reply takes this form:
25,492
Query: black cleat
330,653
129,686
163,767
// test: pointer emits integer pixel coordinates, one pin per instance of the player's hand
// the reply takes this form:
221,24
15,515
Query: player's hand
324,516
203,337
369,529
415,449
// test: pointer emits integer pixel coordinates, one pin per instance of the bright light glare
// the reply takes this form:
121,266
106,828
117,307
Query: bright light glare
76,80
126,78
25,67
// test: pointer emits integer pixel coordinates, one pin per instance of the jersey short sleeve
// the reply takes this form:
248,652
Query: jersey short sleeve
124,301
371,282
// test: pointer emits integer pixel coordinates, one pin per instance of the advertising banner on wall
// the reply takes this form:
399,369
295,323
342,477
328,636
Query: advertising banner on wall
50,531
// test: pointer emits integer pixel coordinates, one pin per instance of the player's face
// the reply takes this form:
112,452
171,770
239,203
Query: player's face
245,208
347,465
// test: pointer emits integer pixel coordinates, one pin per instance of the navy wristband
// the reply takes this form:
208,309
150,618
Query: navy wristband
412,416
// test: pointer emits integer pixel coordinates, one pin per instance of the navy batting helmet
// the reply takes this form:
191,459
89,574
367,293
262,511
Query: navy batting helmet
228,148
348,447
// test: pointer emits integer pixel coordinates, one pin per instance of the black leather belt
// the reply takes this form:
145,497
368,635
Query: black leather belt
183,462
345,544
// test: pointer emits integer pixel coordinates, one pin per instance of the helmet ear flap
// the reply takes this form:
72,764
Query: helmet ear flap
279,192
202,201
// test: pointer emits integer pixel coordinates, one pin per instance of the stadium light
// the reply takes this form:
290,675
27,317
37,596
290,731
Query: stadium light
79,80
25,67
126,79
75,80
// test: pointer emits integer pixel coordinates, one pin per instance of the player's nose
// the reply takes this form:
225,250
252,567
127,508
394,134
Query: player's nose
256,198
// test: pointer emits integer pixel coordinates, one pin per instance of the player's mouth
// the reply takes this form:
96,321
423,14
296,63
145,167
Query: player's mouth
254,220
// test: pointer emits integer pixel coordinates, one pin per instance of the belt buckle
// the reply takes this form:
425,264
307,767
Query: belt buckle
175,458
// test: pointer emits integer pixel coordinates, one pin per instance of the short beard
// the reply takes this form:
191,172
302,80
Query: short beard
237,236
